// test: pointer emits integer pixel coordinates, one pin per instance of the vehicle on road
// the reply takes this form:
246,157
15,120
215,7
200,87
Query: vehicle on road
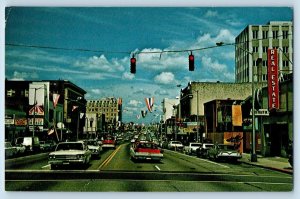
175,145
70,153
32,144
191,148
146,151
10,151
202,151
19,146
94,147
224,152
108,142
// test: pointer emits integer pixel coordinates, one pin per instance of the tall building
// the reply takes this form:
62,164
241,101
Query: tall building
251,49
110,108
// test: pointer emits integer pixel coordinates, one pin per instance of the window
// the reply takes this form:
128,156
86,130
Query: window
275,34
285,63
265,34
285,34
265,49
255,34
10,93
255,49
285,49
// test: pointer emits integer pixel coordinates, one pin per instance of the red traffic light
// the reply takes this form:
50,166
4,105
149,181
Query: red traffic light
191,62
133,65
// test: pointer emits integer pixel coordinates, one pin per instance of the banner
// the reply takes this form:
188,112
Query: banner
273,84
36,110
149,102
55,99
237,115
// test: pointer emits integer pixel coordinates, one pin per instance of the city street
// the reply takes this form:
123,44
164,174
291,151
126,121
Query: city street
115,171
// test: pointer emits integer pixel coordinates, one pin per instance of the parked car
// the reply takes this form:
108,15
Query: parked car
32,144
146,150
70,153
175,145
191,148
224,152
94,147
19,146
202,151
10,151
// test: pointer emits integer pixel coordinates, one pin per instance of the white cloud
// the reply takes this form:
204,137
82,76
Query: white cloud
134,103
100,64
165,78
211,13
225,36
23,75
127,75
213,65
96,91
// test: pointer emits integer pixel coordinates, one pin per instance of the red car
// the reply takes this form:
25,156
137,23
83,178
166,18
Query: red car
146,151
109,142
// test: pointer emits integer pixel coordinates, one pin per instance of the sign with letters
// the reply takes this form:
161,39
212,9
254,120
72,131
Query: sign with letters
273,87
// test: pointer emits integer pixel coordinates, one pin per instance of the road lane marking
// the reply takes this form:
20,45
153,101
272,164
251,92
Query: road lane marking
157,167
110,157
48,165
200,159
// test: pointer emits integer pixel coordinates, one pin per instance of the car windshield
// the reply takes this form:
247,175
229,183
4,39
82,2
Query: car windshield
94,143
69,146
147,145
226,147
176,142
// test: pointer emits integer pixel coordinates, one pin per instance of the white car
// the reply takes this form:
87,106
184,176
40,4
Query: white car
94,147
10,151
67,153
175,145
191,148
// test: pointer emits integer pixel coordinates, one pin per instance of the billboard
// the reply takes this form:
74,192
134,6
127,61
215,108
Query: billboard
273,84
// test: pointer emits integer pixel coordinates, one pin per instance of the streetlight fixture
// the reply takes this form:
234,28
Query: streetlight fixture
253,153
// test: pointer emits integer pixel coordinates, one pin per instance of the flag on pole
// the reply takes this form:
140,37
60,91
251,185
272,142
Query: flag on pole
55,99
149,102
74,107
50,131
144,113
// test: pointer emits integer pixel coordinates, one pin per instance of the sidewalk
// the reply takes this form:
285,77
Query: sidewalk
274,163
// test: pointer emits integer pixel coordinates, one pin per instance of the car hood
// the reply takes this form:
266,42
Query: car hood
93,147
67,152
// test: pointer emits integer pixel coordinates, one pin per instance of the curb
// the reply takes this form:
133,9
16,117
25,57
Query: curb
271,168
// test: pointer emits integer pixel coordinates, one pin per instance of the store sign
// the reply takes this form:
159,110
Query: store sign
260,112
38,121
273,84
21,122
9,121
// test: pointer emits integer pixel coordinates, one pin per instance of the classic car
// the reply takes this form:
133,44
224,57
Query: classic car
202,151
108,142
67,153
175,145
94,147
146,151
224,152
191,148
10,151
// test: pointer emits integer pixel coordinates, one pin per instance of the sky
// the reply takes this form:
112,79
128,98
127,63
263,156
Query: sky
92,47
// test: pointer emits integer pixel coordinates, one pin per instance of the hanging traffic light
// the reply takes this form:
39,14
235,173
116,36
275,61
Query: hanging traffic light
191,62
133,65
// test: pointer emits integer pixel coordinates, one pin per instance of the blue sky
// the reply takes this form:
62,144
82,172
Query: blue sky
111,34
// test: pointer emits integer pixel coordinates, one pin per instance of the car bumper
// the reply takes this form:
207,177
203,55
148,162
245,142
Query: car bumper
66,162
147,156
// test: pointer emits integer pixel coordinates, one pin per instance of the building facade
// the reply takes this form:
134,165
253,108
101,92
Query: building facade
21,97
251,49
110,108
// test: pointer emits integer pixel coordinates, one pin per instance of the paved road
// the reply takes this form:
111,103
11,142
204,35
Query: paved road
115,171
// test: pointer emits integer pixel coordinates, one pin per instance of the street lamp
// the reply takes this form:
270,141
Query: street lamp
34,107
253,153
